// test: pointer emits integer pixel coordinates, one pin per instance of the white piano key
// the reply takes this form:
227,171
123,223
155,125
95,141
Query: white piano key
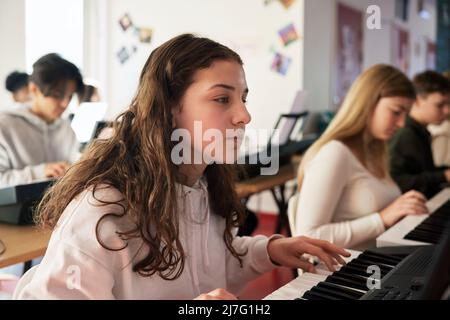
305,281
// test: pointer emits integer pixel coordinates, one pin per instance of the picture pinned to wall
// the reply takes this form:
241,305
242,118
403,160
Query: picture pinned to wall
125,22
281,63
288,34
137,35
123,55
401,49
287,3
349,56
145,35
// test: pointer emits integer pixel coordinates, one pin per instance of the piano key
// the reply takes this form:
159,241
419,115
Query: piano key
392,261
314,296
367,263
357,270
383,256
353,293
331,292
350,280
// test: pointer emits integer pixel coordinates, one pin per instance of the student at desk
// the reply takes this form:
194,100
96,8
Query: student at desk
346,194
411,159
35,143
134,223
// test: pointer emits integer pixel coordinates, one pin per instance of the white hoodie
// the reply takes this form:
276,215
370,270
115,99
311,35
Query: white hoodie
27,143
76,266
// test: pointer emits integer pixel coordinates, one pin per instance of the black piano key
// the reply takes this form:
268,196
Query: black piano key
433,227
347,281
392,261
427,237
366,263
354,270
356,277
331,292
314,296
352,293
423,237
363,267
397,258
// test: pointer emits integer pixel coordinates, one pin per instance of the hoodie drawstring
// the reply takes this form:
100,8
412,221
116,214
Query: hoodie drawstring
201,219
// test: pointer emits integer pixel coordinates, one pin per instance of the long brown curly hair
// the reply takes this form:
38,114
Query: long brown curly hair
136,161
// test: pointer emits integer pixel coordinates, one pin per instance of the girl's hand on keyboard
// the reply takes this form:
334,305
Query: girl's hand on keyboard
289,252
412,202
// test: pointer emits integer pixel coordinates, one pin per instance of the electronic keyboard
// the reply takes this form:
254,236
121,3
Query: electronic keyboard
17,202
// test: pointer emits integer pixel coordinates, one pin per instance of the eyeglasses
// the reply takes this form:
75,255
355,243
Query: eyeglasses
2,247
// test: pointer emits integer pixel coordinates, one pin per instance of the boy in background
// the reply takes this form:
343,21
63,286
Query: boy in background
411,159
35,142
17,83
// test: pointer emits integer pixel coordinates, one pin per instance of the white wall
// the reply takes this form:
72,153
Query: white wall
320,43
12,36
249,27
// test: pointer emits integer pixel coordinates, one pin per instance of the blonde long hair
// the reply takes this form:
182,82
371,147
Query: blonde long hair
379,81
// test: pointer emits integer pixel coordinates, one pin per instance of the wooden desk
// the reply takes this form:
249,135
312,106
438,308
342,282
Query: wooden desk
263,183
23,243
276,185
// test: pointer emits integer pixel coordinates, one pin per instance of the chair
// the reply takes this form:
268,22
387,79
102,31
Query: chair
24,280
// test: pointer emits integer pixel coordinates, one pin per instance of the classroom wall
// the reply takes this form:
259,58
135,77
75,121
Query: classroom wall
12,35
249,27
320,46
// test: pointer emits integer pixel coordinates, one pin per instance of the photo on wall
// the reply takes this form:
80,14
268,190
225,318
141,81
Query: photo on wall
401,48
145,35
349,51
281,63
288,34
125,22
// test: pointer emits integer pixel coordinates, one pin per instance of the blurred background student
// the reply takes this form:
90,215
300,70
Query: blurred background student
88,94
17,83
440,135
346,194
411,159
35,143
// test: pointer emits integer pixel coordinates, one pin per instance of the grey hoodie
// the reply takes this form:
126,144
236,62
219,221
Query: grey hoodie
27,143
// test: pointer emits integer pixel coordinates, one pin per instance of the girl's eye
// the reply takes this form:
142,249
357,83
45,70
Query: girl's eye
223,100
397,112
